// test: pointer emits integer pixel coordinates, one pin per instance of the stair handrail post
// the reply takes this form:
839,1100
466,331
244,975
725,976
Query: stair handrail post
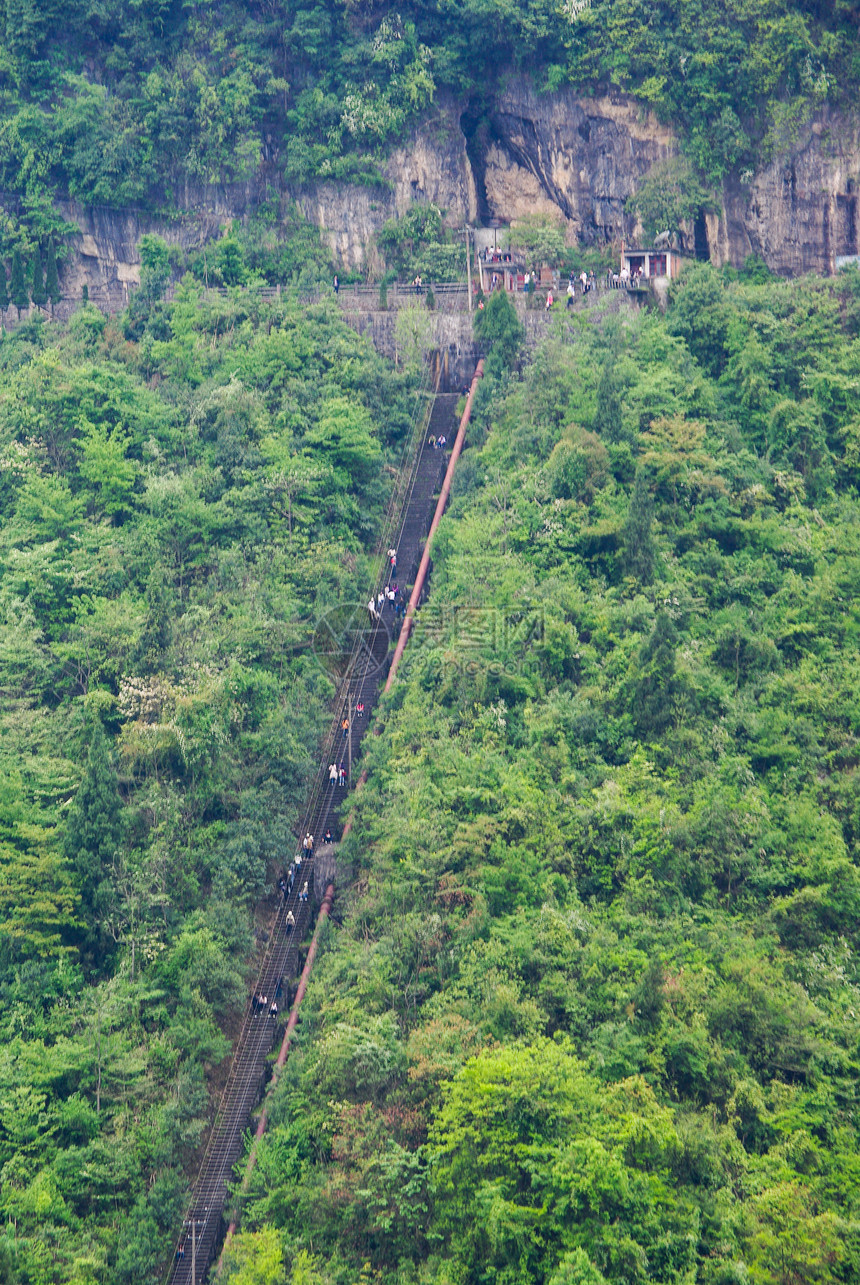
349,737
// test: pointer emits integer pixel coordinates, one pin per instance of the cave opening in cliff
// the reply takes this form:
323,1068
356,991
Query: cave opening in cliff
700,233
474,122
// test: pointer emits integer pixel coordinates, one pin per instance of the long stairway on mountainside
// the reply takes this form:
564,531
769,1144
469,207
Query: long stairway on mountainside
202,1229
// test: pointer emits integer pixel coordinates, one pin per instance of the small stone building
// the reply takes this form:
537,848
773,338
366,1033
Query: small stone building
657,263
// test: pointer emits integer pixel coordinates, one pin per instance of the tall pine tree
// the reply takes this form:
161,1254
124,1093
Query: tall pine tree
656,692
639,548
607,420
37,290
17,285
4,287
92,839
52,279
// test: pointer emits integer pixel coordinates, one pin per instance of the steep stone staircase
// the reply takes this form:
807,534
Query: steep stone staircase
368,648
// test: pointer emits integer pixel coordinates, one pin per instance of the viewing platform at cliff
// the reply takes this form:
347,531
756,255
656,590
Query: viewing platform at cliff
510,277
440,297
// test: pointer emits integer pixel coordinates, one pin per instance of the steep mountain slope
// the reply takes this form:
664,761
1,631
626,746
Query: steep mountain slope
591,1015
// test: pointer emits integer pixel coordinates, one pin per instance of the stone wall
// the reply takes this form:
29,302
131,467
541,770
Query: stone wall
451,338
452,334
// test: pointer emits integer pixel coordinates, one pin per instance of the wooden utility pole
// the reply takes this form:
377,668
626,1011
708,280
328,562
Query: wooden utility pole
193,1251
468,270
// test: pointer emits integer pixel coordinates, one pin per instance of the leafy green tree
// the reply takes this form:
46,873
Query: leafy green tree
669,195
92,837
154,267
37,288
578,465
151,1219
700,315
406,241
37,900
656,685
344,436
307,1270
795,433
255,1258
52,279
180,355
17,284
155,636
4,287
756,270
106,467
792,1243
230,262
515,1125
576,1268
8,1273
414,333
500,332
538,237
441,262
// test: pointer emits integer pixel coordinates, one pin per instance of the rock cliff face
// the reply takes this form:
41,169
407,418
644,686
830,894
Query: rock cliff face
585,156
432,166
582,157
800,212
104,255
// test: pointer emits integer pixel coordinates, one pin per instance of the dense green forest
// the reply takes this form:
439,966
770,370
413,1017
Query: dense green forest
183,492
116,102
591,1014
590,1010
